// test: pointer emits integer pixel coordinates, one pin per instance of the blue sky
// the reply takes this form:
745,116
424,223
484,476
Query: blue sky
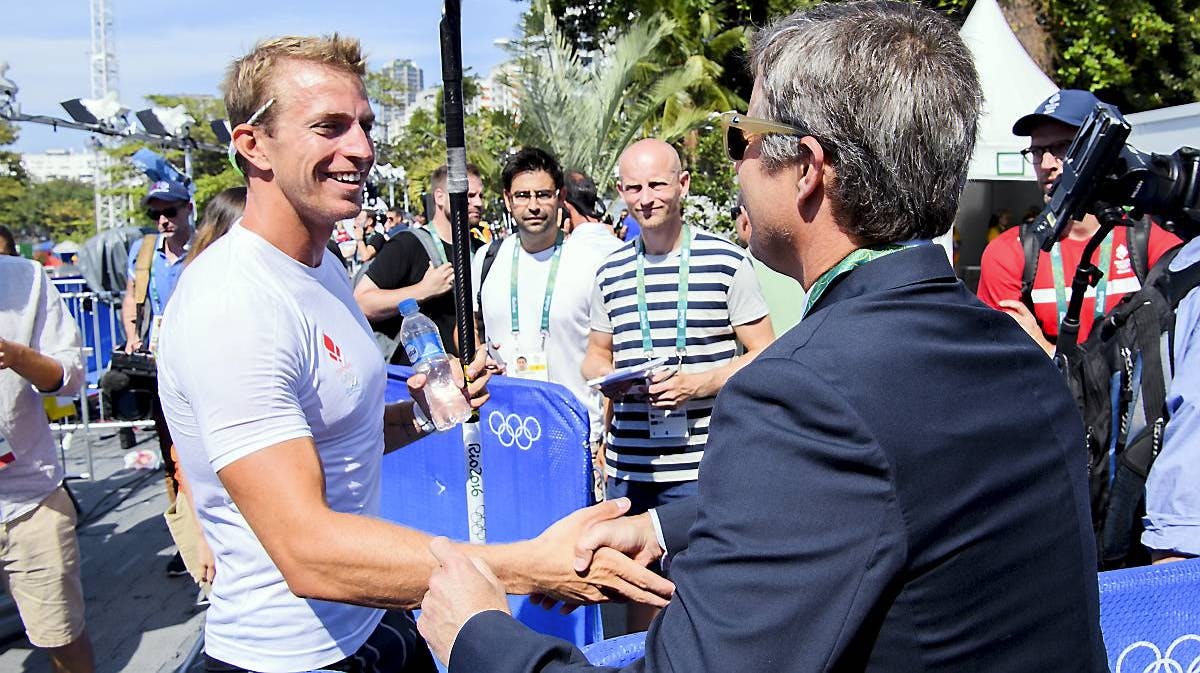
183,47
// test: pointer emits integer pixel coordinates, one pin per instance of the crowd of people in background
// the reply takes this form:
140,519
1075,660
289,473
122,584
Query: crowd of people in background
805,485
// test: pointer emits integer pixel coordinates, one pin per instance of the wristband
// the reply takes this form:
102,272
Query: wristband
421,419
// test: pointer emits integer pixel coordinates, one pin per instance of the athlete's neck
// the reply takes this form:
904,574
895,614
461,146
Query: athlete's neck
664,239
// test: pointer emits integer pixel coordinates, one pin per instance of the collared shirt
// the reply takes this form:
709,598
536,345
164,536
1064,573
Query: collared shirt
1173,487
164,274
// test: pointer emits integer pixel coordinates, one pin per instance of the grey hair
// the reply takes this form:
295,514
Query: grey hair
890,92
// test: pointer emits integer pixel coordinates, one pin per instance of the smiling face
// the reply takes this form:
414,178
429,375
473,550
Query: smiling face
652,184
319,144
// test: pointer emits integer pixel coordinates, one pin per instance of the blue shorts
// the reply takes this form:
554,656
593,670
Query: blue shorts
647,495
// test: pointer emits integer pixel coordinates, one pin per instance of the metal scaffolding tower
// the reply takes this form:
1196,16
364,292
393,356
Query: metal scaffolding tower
110,210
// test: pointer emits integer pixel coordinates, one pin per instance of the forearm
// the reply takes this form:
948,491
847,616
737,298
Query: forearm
596,365
711,381
383,304
44,372
366,561
129,318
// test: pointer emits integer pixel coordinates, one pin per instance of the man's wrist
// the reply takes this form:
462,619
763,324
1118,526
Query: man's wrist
512,564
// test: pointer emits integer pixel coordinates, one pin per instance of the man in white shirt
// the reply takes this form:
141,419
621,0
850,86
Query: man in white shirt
273,389
39,554
536,297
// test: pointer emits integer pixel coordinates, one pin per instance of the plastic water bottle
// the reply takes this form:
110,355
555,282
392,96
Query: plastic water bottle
447,405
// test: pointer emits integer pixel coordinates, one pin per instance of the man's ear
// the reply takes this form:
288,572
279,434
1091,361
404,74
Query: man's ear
685,182
441,199
810,169
246,142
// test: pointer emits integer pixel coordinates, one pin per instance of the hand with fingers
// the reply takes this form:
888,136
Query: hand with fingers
1019,312
438,280
459,588
669,388
602,573
475,382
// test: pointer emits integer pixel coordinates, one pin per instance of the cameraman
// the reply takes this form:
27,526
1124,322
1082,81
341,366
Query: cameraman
1051,128
168,205
1172,498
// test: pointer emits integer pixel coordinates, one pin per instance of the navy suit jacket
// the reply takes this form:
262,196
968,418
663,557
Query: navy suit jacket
896,484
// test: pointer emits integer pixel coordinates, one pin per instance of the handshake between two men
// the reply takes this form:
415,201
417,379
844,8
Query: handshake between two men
611,555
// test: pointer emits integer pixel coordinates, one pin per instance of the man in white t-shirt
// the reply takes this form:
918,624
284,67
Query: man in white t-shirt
536,298
273,389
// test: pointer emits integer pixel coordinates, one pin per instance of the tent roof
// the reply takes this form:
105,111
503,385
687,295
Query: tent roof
1166,129
1013,86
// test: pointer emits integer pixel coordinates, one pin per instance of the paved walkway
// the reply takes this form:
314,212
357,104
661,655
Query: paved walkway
139,619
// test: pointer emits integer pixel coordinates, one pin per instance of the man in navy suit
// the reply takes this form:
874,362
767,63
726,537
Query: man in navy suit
896,484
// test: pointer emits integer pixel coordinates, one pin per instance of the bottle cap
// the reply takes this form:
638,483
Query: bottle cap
408,307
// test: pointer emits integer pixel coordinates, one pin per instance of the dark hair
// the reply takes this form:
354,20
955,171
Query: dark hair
580,192
529,159
891,89
440,174
220,213
7,236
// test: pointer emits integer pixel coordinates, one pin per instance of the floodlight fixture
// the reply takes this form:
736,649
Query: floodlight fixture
221,128
173,122
107,111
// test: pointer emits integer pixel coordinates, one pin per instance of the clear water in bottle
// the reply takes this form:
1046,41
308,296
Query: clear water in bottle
447,405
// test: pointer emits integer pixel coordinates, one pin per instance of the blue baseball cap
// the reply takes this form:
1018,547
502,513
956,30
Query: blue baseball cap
1069,106
165,190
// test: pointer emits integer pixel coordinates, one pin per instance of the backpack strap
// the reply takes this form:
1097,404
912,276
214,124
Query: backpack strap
1030,248
432,248
1138,237
489,258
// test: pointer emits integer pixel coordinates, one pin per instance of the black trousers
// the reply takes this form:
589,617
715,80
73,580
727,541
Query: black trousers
394,646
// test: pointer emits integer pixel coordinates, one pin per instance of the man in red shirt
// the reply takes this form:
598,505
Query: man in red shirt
1050,128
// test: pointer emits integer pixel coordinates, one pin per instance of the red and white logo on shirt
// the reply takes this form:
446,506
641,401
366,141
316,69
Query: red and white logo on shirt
338,358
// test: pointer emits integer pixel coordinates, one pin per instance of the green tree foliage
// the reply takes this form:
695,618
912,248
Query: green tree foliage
1137,54
13,180
586,110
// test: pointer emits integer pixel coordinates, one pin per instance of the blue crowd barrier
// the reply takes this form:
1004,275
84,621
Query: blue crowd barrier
1150,617
99,325
617,652
536,469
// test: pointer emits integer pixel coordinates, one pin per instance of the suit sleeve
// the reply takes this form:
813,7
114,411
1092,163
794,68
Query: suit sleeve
797,541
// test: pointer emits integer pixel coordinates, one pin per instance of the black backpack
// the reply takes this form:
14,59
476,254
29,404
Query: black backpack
1119,377
1138,239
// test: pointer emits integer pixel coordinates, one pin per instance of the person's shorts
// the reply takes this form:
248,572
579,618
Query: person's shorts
39,563
646,495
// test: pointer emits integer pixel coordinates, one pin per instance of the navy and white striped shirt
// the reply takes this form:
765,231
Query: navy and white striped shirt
722,292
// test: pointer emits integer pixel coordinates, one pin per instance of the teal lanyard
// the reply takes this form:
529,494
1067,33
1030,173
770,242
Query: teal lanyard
512,286
1060,285
441,248
685,255
849,263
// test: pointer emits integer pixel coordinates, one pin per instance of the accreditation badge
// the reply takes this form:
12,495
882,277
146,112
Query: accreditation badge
668,423
530,365
155,330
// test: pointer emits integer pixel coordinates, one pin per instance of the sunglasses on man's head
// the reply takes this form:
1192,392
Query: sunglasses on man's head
741,130
165,212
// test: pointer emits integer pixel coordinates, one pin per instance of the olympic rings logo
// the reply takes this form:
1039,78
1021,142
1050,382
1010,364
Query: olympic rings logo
512,430
1164,662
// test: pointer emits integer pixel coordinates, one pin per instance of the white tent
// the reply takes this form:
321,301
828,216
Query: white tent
1013,86
999,179
1166,129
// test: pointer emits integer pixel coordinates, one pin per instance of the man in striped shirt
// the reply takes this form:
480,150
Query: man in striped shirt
679,293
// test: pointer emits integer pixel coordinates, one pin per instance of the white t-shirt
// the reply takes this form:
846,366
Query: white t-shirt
257,349
566,343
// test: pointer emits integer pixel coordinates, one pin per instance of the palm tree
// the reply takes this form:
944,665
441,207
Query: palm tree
586,108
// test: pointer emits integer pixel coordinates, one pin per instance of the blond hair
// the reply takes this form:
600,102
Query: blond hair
249,84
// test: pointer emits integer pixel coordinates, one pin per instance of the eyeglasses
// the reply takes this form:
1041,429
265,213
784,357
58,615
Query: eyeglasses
740,130
165,212
543,195
1035,153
